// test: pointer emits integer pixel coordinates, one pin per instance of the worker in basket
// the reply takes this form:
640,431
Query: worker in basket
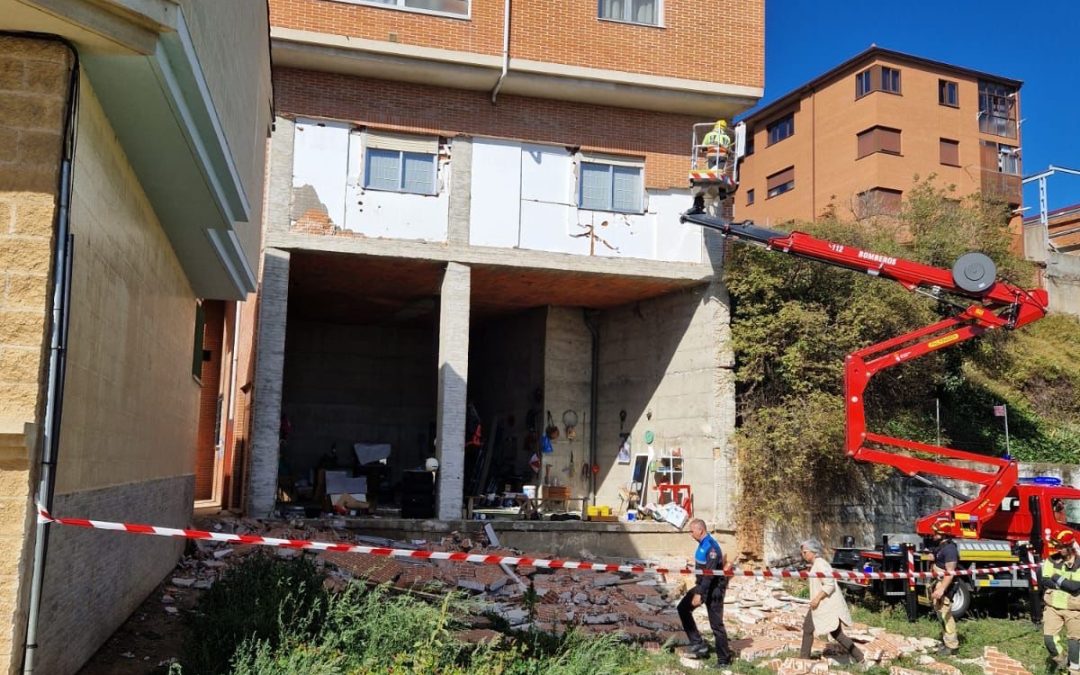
716,144
1060,577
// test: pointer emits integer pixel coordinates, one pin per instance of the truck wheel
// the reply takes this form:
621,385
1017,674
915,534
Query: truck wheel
961,599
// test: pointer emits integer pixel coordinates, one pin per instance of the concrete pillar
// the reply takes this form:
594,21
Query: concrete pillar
269,371
460,191
279,183
453,385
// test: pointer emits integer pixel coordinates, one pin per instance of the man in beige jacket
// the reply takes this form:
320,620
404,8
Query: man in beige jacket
828,610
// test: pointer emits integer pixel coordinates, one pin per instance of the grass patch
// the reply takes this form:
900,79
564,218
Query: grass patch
267,616
1019,638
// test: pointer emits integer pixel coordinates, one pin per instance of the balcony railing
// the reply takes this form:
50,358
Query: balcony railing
1003,186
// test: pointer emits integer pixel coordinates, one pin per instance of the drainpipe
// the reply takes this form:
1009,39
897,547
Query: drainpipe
506,51
58,330
592,320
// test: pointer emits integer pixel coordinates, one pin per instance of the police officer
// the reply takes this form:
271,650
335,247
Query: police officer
708,591
1060,576
946,559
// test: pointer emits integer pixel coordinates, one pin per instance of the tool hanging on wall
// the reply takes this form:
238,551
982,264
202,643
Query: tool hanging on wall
570,420
552,431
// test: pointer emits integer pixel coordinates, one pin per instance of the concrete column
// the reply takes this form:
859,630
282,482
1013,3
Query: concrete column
453,385
269,371
460,191
279,183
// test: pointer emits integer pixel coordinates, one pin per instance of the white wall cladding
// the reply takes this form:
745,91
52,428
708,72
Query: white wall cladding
525,196
522,196
320,160
328,178
396,215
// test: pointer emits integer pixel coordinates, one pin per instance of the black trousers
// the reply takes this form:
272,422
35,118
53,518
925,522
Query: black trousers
844,641
714,605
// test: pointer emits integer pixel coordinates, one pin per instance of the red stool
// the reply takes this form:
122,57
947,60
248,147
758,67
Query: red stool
680,494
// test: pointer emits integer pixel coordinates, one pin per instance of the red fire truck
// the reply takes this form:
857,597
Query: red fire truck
1008,519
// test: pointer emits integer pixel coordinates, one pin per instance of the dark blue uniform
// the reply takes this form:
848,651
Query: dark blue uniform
708,556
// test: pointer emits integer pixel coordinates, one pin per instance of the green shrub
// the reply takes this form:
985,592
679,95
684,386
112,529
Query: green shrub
261,599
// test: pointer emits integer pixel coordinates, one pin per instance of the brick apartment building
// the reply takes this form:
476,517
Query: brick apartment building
854,138
133,128
478,201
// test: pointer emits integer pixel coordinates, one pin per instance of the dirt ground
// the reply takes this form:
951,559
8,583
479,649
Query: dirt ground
151,639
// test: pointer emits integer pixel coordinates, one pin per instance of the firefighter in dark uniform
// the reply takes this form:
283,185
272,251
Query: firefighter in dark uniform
946,560
708,591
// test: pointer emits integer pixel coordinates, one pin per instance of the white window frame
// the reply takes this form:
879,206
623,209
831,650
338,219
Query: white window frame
398,5
611,163
659,15
402,144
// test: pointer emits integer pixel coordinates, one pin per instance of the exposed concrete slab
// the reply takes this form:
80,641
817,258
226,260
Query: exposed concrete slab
476,255
566,539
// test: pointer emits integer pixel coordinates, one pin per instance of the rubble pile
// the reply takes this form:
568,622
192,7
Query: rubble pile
764,621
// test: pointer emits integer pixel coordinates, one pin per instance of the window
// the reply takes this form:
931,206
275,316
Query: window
610,187
948,93
400,162
877,78
749,197
950,152
1008,159
781,128
862,83
780,182
890,80
197,346
454,7
749,143
645,12
878,139
879,202
997,109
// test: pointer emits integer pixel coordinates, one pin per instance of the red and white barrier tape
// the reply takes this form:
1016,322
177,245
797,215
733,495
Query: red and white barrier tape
307,545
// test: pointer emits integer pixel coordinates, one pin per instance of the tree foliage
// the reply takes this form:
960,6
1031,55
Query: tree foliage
795,320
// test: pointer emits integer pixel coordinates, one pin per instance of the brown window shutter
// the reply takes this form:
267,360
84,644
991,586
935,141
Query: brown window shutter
988,155
950,152
891,200
779,178
888,140
867,143
875,78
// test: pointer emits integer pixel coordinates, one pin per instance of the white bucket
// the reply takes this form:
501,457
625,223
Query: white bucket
529,490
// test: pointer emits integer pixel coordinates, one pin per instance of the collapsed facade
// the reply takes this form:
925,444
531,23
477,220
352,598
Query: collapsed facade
474,206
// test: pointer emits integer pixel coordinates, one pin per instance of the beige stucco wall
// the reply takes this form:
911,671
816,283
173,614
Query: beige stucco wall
33,79
130,404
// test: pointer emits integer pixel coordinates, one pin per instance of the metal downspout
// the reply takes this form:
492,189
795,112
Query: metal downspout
57,361
592,317
506,52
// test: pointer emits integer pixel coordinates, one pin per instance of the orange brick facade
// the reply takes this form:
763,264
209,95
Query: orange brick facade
708,40
825,153
662,139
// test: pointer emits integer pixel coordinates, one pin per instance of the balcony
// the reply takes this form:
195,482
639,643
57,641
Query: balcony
1003,186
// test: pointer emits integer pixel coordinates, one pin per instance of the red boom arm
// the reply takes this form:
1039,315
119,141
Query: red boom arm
996,304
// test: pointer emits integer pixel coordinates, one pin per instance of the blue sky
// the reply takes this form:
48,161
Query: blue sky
1032,41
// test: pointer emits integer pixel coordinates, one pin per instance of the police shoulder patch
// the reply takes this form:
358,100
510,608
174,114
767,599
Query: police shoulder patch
712,554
